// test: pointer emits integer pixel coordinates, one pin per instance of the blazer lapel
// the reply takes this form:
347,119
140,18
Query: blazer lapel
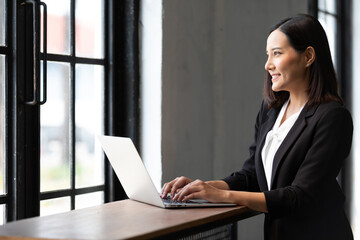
291,137
266,126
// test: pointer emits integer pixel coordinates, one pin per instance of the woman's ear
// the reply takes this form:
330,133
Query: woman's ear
309,56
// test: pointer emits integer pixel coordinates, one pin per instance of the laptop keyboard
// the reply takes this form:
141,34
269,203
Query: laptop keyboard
169,200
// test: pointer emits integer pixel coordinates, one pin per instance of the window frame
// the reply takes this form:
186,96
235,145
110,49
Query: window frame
5,50
72,60
121,91
344,60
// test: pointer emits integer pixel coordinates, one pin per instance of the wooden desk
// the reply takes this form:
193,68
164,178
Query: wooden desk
122,220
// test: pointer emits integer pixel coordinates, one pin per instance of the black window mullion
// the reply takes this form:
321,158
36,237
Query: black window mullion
122,100
4,50
26,131
55,194
344,60
72,133
108,173
67,59
11,210
68,192
313,8
344,48
4,200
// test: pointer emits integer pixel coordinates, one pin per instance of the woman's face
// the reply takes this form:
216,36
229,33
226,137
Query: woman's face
285,65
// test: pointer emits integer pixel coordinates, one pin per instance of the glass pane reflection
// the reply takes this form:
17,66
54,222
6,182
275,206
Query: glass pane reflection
327,5
3,22
58,28
2,124
2,214
329,24
89,200
89,30
53,206
89,121
55,173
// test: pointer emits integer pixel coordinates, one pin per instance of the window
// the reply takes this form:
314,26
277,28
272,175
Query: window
328,18
71,159
151,56
3,108
355,76
336,17
50,160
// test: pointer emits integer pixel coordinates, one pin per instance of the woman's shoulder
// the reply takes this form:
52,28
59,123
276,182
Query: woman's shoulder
332,109
331,106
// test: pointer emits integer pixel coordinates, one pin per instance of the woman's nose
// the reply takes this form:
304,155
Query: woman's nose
268,64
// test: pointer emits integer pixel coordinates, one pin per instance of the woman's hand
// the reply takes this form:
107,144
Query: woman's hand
174,186
199,189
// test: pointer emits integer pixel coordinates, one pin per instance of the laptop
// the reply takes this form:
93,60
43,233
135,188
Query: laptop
134,177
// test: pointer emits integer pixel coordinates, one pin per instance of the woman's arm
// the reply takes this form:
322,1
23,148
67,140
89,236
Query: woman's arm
218,191
220,184
253,200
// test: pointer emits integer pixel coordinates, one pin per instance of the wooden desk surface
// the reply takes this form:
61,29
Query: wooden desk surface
119,220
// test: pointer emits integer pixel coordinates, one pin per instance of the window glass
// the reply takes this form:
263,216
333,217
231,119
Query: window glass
89,200
329,23
355,104
3,21
55,172
150,88
88,121
53,206
2,124
58,26
89,32
2,214
327,5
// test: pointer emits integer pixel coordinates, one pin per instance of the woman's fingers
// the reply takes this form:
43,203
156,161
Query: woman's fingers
164,190
183,189
199,189
179,183
167,188
194,189
174,186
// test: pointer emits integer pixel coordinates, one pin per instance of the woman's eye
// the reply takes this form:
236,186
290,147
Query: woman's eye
277,53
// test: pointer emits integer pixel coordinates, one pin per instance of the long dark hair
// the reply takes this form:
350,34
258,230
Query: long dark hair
304,31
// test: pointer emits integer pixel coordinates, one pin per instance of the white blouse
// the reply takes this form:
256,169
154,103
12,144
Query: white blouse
274,138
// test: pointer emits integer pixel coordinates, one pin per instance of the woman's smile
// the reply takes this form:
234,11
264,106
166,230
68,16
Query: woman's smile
275,76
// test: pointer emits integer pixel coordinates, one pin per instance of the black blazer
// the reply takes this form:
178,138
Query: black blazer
305,200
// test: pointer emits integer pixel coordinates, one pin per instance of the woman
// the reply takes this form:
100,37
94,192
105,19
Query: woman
303,134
